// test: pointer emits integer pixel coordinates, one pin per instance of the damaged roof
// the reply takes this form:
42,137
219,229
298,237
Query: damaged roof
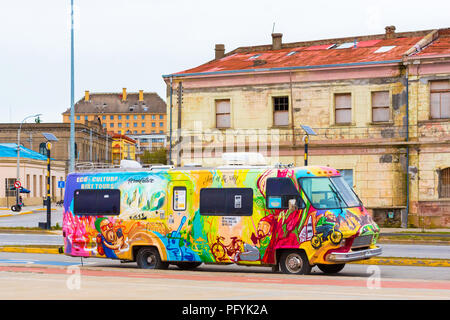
363,50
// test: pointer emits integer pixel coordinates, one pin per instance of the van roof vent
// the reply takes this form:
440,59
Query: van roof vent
243,159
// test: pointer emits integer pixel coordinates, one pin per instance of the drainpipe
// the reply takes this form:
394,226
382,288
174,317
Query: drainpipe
407,148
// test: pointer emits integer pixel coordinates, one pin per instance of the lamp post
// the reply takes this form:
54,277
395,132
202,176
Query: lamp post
50,138
309,131
72,95
17,206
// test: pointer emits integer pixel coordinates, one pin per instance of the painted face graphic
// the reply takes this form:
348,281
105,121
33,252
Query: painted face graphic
107,229
263,228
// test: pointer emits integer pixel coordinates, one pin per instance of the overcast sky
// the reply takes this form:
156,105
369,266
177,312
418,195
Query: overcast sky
132,43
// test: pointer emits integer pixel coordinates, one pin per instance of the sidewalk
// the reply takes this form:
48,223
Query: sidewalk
7,212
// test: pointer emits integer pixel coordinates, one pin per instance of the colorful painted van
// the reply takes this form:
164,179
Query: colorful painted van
285,217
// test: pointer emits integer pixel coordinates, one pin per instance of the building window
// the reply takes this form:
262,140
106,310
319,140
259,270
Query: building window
223,119
161,124
111,117
135,124
161,131
226,201
135,131
85,117
161,117
343,108
78,117
153,124
111,125
135,117
119,125
43,149
127,125
380,106
143,131
280,111
347,174
128,117
9,187
143,124
444,183
104,117
143,117
119,117
440,99
153,117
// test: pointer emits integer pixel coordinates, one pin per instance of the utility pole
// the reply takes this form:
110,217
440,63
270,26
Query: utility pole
72,96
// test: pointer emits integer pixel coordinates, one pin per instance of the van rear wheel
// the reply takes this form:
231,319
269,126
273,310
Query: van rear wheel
331,268
148,258
294,262
187,265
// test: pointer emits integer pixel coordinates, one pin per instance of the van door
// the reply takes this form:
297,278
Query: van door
178,214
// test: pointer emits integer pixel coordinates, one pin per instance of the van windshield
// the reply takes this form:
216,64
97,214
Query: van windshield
329,193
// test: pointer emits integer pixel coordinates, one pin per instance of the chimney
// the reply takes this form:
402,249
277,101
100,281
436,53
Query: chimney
86,96
390,32
124,94
220,51
276,41
141,95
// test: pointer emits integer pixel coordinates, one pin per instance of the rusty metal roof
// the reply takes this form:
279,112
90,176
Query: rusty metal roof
337,52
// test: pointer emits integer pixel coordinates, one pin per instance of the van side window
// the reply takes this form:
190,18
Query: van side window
179,198
279,191
226,201
96,202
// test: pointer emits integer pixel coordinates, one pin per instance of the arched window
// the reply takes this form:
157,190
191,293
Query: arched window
43,149
444,183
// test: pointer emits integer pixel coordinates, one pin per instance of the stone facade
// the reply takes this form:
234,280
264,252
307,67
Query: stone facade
377,154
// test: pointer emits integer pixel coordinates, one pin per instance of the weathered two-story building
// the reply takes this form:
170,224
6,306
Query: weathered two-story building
379,104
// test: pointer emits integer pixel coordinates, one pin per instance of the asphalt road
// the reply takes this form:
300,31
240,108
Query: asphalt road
389,250
32,220
41,276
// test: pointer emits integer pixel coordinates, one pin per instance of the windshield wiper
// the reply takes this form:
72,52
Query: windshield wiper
337,195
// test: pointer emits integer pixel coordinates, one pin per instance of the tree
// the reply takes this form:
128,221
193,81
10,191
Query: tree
158,156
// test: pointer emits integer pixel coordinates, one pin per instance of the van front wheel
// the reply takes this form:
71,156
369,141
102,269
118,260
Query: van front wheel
148,258
331,268
294,262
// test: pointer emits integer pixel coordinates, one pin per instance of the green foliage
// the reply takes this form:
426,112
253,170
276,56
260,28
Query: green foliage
158,156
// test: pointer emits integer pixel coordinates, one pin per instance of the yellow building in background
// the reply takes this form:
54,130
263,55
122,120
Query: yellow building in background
123,148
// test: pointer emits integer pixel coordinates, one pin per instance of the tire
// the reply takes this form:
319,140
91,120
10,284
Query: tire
148,258
187,265
331,268
294,262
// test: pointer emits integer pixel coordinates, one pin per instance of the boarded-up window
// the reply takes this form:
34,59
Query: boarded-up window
281,111
223,114
440,99
380,106
343,107
444,183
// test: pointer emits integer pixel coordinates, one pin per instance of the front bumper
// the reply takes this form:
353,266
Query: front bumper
353,255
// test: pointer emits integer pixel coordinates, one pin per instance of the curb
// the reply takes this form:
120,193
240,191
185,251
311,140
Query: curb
30,250
397,261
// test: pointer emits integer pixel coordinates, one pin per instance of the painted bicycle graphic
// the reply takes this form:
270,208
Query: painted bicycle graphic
222,252
335,236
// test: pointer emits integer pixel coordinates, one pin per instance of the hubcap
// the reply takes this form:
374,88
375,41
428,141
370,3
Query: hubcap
150,260
294,263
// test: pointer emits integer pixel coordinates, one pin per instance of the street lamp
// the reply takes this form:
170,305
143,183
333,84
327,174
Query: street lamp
17,207
50,138
309,131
